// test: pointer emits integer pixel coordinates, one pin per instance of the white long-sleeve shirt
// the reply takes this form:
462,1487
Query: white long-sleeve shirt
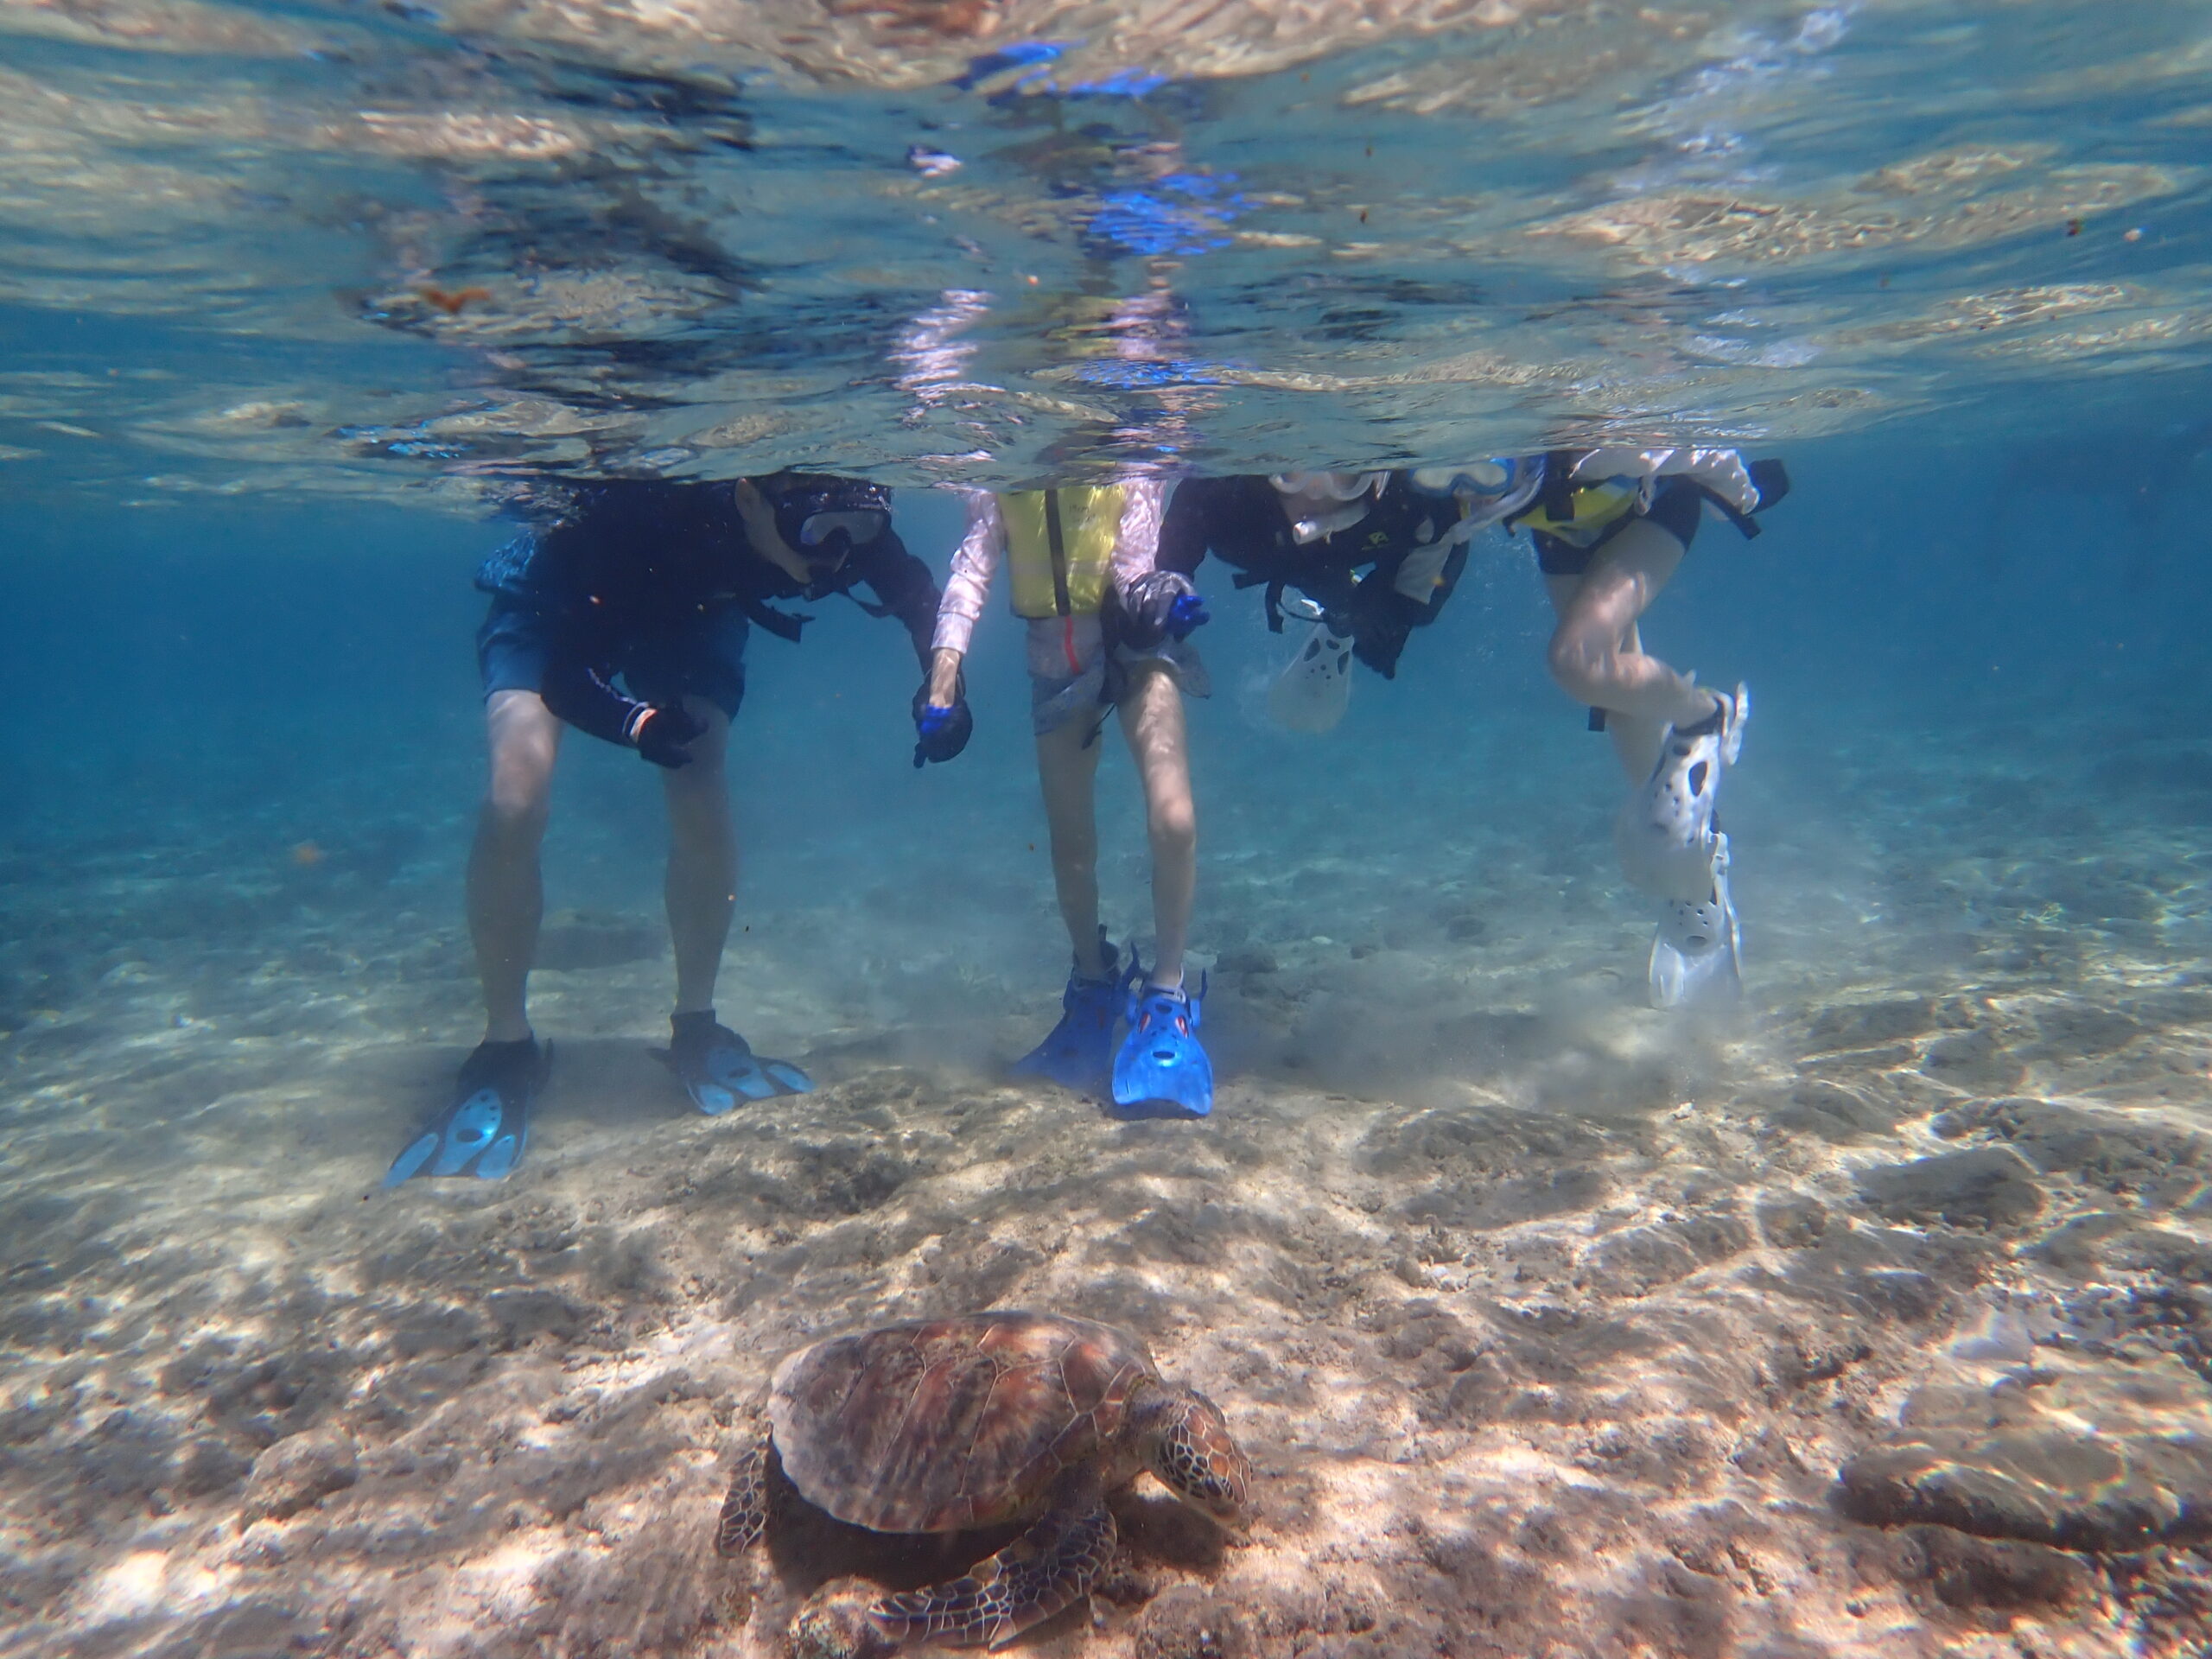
983,548
1721,471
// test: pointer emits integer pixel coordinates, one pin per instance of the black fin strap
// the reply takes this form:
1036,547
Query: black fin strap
1558,493
1746,526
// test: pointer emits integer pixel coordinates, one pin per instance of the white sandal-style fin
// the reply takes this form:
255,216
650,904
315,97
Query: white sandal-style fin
1697,956
1665,833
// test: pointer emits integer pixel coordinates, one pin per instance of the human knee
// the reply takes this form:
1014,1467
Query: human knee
518,800
1581,665
1174,824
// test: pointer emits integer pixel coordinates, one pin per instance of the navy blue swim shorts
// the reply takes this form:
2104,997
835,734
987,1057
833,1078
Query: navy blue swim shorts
702,655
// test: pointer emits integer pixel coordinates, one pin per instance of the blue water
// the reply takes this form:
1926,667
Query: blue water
1553,1324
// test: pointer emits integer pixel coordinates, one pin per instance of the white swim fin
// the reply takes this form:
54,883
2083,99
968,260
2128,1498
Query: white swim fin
1314,688
1697,955
1665,834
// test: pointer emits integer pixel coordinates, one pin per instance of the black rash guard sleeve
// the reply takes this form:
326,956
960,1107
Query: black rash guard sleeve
903,586
1186,530
578,691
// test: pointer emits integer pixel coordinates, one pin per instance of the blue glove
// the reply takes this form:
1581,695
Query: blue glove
941,731
1188,611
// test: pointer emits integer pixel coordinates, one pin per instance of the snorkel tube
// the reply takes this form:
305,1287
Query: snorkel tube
1319,505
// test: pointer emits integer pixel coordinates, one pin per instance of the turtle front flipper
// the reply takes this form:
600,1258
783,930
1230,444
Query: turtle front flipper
745,1511
1050,1565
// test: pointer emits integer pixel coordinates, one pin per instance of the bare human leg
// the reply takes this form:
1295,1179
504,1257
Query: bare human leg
506,890
1152,722
1067,770
1598,658
701,889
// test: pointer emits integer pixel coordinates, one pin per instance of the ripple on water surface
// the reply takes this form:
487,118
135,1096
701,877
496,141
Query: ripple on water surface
321,251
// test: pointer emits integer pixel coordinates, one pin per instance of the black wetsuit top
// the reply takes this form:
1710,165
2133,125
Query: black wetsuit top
1351,575
633,558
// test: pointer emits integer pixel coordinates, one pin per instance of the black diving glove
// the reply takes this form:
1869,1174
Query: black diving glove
1160,604
661,732
940,731
1379,626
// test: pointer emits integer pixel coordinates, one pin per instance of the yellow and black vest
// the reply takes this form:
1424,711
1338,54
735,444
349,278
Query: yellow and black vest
1060,548
1580,515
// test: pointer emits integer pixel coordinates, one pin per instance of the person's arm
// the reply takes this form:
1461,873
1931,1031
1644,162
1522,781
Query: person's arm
1187,527
1405,591
968,583
943,723
1137,544
903,588
577,689
1156,604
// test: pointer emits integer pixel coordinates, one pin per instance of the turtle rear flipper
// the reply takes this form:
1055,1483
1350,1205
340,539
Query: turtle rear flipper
1049,1567
745,1511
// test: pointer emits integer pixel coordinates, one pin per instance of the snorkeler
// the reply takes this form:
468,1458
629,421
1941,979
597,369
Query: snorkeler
1376,555
1611,526
1108,633
656,584
1370,557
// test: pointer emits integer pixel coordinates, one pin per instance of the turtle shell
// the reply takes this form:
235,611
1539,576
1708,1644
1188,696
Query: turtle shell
943,1424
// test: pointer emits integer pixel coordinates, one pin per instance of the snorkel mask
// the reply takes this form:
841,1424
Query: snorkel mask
1484,480
823,518
1486,490
1308,498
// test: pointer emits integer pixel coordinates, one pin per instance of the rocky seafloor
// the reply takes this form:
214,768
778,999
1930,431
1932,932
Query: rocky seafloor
1873,1319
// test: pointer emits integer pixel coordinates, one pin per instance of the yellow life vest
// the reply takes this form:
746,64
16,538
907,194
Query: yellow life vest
1060,548
1590,509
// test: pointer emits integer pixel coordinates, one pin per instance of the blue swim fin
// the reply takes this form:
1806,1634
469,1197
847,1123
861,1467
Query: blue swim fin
484,1127
1078,1053
719,1069
1162,1070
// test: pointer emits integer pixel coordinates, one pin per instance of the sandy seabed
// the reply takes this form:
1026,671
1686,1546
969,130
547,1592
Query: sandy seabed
1871,1320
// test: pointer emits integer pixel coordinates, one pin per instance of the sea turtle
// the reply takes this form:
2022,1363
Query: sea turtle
945,1425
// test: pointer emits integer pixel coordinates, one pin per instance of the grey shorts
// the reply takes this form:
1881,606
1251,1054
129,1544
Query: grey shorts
1073,677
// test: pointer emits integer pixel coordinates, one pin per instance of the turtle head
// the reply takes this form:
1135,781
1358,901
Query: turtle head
1185,1441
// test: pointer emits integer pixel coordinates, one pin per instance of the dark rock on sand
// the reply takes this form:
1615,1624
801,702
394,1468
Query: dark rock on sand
1988,1187
2103,1150
1992,1575
1973,1060
296,1474
833,1623
1835,1113
2104,1455
1253,960
1191,1623
1869,1024
1792,1221
208,1465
